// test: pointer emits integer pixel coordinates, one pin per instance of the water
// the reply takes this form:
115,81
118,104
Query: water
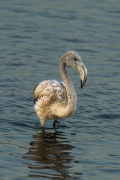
33,37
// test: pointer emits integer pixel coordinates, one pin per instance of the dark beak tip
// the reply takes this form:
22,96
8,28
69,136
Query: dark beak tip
83,83
81,86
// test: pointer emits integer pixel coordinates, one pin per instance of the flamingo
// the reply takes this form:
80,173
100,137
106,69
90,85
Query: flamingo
55,99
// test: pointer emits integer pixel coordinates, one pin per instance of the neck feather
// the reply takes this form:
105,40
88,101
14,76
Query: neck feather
71,95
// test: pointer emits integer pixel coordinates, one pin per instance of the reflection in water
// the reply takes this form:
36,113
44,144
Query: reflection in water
51,155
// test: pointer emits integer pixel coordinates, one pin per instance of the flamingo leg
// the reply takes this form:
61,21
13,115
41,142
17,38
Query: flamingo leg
54,123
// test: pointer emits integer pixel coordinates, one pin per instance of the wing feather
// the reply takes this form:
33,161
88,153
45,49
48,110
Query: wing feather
50,88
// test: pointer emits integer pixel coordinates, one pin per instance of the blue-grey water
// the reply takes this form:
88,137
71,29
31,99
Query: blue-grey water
33,37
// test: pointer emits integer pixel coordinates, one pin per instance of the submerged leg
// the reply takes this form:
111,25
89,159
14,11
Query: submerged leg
43,122
54,123
43,129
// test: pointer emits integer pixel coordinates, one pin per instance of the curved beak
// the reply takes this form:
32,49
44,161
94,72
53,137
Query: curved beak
82,71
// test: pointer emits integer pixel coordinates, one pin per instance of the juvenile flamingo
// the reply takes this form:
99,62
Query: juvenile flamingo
55,99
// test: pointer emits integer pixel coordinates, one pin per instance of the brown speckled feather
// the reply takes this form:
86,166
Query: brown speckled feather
50,89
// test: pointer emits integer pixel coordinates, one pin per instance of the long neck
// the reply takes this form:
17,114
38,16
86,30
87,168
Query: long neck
71,95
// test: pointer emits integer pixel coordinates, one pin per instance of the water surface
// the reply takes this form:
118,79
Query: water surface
34,35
